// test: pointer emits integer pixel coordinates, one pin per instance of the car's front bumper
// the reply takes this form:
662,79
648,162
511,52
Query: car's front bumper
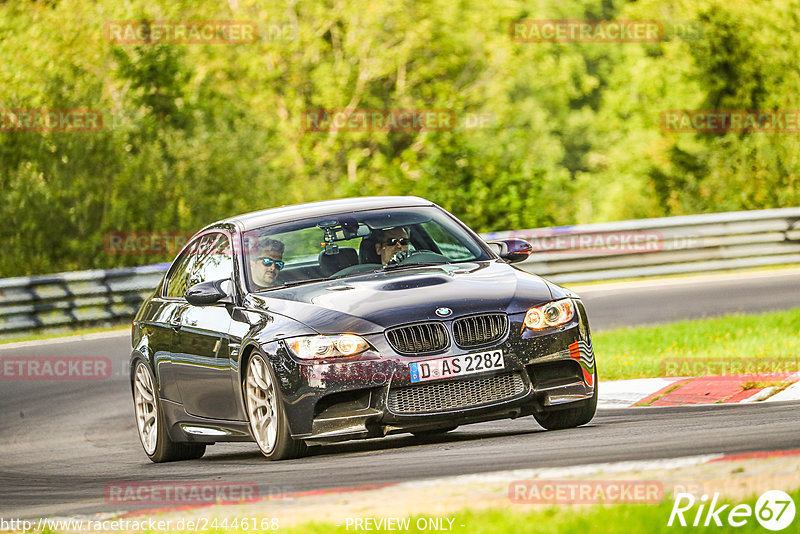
373,395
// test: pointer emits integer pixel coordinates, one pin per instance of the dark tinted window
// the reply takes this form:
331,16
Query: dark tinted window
179,275
450,243
214,261
434,238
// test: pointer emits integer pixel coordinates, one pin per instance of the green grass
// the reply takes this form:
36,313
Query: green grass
555,519
763,342
612,519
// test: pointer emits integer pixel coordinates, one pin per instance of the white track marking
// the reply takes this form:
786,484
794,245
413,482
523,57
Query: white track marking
556,473
790,393
623,393
68,339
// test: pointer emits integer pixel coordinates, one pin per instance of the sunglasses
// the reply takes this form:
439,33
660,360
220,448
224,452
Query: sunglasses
269,262
394,241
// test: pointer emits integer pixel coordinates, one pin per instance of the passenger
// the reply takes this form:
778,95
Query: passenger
390,241
267,261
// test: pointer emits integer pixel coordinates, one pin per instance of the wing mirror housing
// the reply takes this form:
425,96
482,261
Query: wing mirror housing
512,250
206,293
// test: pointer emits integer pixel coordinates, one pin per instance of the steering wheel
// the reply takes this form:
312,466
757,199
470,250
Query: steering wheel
400,257
426,256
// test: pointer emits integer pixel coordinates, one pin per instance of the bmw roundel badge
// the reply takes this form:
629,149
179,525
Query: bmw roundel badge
443,312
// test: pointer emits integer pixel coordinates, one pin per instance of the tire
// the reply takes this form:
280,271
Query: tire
434,432
151,423
571,417
265,413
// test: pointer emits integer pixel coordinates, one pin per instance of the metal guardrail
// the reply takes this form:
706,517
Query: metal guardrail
84,297
664,246
636,248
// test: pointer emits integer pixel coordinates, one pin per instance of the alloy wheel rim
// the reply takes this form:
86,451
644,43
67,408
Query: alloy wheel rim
261,404
146,419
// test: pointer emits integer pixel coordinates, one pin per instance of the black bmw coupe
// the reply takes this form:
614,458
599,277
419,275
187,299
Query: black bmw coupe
348,319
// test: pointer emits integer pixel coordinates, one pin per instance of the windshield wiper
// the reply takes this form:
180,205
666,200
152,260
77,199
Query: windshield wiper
299,282
409,265
394,267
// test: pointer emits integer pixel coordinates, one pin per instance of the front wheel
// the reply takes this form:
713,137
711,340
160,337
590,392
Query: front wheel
151,423
266,414
571,417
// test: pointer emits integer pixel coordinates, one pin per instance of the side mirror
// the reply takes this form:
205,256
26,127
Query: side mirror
206,293
512,250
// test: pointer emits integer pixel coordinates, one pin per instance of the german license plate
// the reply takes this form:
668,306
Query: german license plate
466,364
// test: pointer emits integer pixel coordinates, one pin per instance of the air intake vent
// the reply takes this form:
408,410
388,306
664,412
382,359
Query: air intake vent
419,338
455,394
480,329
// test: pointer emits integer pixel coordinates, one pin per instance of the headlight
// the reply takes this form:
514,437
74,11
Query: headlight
317,347
551,314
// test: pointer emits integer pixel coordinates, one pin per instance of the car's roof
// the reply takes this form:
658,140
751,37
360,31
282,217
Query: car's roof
296,212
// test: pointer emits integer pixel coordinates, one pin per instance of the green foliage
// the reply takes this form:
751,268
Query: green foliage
196,132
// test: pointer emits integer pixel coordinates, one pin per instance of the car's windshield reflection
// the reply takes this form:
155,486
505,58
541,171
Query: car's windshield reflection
318,250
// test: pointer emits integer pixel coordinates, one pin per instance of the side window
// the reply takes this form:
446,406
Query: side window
450,244
179,278
214,261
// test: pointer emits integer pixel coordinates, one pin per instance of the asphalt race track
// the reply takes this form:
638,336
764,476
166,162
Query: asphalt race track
651,302
61,442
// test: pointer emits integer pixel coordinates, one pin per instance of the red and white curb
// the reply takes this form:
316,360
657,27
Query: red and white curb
727,389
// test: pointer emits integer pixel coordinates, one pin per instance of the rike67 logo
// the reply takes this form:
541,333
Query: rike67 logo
774,510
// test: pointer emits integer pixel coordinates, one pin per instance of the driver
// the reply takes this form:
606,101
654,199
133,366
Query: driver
390,241
266,261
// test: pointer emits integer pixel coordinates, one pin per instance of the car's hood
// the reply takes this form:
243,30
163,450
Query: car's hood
372,302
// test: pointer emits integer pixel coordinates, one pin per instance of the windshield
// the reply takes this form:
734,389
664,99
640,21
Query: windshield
352,243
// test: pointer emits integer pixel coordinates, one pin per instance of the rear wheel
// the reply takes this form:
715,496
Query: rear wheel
571,417
151,423
265,411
